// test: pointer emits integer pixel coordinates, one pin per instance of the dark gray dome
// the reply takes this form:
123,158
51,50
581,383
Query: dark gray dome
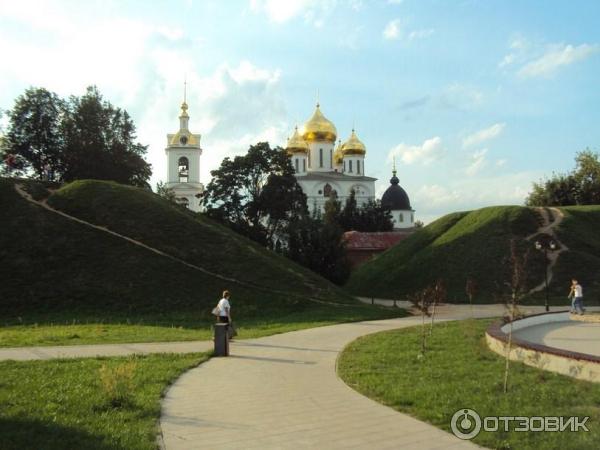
395,198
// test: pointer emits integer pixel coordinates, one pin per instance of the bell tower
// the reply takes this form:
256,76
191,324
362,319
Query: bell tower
183,161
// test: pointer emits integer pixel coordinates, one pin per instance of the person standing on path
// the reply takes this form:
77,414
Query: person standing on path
224,309
576,296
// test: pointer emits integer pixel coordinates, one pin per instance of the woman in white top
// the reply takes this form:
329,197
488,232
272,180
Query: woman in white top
224,313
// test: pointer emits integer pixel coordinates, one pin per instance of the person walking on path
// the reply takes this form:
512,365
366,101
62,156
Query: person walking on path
576,296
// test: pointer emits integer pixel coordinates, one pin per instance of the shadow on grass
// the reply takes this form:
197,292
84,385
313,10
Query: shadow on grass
18,434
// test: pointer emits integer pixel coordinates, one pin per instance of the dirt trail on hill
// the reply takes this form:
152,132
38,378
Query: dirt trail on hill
552,217
21,191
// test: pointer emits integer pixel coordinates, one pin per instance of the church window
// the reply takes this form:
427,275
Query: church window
320,157
309,160
327,190
358,167
401,217
331,158
350,166
412,217
296,163
304,165
183,169
344,166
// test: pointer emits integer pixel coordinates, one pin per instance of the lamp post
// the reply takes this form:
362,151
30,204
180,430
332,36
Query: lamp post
545,246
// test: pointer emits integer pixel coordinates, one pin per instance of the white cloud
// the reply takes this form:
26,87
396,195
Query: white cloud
477,162
468,193
392,30
555,57
538,59
429,151
484,135
501,162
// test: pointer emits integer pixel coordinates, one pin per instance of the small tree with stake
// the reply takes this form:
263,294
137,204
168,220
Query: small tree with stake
439,296
422,301
517,288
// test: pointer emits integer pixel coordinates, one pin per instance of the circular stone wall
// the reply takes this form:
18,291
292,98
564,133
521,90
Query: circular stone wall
551,341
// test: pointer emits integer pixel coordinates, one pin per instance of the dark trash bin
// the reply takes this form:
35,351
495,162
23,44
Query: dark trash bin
221,339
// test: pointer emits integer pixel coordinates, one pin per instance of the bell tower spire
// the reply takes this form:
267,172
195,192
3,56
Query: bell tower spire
184,118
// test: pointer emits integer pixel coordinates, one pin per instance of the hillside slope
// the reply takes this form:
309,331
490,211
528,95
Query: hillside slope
49,263
454,248
580,231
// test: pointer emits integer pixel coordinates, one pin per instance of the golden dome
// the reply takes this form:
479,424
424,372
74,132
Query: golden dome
296,144
319,128
353,146
338,156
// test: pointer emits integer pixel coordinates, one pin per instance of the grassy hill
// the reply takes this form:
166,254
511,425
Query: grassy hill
476,244
51,266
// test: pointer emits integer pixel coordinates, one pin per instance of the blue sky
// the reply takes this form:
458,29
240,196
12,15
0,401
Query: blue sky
475,99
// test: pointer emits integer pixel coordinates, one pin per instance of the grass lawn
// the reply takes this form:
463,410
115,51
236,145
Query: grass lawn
458,371
102,329
62,404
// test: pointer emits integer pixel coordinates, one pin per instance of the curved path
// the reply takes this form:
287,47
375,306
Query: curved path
551,217
282,392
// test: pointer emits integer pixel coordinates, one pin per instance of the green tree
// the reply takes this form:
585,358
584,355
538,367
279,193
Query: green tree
256,194
100,142
579,187
34,135
315,241
369,217
83,137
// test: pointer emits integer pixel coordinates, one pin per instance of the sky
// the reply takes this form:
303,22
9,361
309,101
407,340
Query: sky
475,100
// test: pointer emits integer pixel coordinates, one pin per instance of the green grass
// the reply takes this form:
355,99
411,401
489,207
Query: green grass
459,371
61,404
65,283
453,248
102,329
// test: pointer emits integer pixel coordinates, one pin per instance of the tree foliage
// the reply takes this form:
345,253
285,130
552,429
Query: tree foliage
82,137
315,241
256,194
579,187
369,217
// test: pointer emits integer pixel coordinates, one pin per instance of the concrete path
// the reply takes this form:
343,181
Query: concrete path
282,392
91,351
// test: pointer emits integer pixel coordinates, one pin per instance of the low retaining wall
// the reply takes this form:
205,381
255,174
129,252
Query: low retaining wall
577,365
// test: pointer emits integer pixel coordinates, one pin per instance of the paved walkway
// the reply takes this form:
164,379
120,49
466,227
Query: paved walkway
282,392
91,351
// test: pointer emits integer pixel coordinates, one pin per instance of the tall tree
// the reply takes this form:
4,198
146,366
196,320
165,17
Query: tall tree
315,241
100,142
256,194
34,133
369,217
579,187
83,137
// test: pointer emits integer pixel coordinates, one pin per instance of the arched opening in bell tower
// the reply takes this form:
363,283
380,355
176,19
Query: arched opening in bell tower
184,169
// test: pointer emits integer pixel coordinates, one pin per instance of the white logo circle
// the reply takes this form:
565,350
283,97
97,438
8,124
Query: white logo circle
465,424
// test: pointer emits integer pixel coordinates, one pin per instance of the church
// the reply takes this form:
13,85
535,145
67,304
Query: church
324,169
321,168
183,163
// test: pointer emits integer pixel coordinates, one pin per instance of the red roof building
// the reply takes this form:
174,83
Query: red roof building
361,247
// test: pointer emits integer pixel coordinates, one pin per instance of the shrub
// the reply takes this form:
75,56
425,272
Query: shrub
117,383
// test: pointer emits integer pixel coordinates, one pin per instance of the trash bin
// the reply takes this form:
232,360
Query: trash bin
221,340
